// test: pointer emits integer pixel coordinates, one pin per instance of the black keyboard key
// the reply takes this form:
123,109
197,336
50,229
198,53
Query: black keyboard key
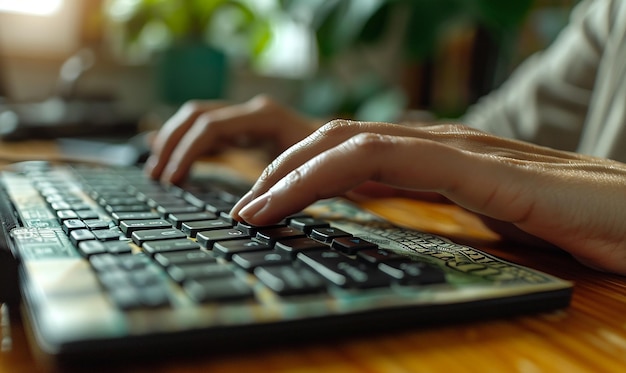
183,272
306,224
130,226
226,249
87,214
94,224
80,235
107,235
294,246
127,208
72,224
184,257
270,236
139,237
351,245
344,271
191,228
119,216
328,234
375,256
178,219
166,211
206,239
249,261
179,244
289,280
229,288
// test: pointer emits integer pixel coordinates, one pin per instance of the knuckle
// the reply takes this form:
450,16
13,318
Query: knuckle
193,107
340,127
368,142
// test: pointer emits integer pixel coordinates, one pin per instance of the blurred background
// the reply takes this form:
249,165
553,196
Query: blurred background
80,67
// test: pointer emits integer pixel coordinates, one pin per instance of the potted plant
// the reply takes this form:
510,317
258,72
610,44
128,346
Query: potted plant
190,42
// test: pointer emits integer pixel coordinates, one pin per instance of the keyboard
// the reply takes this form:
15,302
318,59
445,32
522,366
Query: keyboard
113,264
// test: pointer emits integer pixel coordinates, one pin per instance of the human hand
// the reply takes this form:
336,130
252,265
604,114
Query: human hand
573,201
205,127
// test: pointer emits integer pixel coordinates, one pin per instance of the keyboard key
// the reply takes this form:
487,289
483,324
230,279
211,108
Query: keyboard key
177,220
249,261
184,257
72,224
226,249
80,235
191,228
270,236
328,234
222,289
296,245
306,224
180,244
288,280
183,272
119,216
139,237
351,245
206,239
344,271
130,226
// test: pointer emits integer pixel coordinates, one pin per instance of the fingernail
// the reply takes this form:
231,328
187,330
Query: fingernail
253,208
241,203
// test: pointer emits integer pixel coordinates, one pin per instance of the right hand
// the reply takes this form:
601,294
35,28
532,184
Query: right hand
204,127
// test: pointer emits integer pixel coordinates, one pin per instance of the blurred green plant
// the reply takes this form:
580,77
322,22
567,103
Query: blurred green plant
347,25
138,28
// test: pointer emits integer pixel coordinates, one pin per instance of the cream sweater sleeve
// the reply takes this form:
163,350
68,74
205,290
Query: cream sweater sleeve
547,99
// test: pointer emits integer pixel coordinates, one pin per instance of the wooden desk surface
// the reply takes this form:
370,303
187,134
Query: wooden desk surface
588,336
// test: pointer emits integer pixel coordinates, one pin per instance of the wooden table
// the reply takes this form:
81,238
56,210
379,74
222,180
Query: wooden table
588,336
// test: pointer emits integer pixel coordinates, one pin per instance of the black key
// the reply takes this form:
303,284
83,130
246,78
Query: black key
183,272
222,289
413,272
296,245
249,261
208,238
119,216
180,244
130,226
216,206
116,247
80,235
270,236
251,230
66,214
139,237
344,271
127,208
89,248
184,257
94,224
375,256
191,228
87,214
107,235
72,224
351,245
167,211
177,220
226,249
306,224
328,234
288,280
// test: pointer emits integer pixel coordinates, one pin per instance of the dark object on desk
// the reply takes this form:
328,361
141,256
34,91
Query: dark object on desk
113,151
57,117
